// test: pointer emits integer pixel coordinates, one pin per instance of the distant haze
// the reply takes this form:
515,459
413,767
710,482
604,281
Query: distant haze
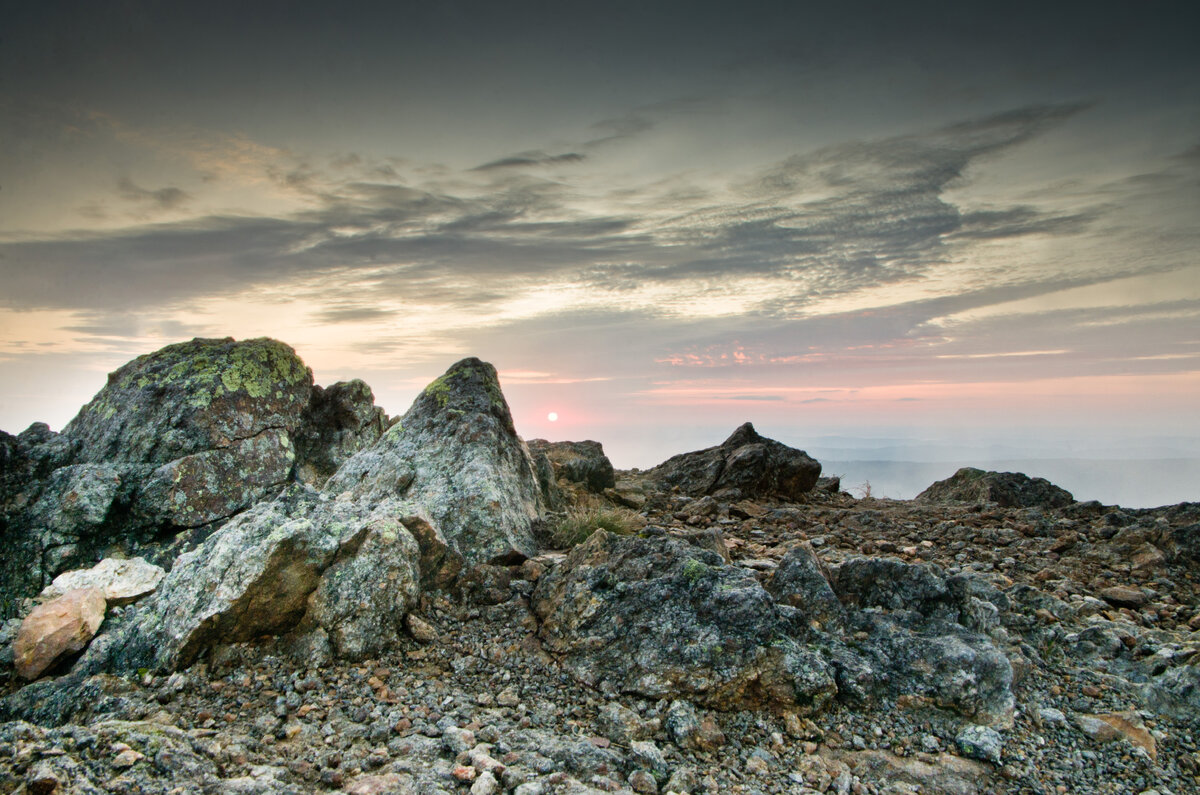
971,227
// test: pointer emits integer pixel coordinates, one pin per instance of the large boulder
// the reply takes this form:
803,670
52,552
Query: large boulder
755,466
579,462
660,618
1006,489
191,397
181,438
457,455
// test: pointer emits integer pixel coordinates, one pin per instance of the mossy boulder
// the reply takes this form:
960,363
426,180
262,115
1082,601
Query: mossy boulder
192,397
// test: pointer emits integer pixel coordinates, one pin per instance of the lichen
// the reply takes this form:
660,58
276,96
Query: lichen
439,389
694,570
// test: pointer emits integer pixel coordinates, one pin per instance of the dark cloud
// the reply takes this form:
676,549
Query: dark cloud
1019,221
531,159
167,198
352,314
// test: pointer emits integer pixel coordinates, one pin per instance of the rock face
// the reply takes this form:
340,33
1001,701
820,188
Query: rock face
175,443
579,462
754,465
302,561
57,628
1006,489
663,619
456,454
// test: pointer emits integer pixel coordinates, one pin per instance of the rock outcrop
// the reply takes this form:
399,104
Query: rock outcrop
176,442
449,485
660,618
751,464
1006,489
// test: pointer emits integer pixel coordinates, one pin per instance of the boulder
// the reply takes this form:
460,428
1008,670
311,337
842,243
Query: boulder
339,421
121,581
191,397
755,466
181,438
56,629
363,597
252,577
889,583
207,487
1006,489
456,454
660,618
579,462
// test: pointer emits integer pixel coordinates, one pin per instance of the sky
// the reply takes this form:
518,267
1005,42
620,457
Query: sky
936,224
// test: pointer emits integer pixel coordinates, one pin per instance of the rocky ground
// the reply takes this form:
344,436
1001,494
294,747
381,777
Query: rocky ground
410,615
477,704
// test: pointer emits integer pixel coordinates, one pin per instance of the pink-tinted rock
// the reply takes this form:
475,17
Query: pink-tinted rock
59,627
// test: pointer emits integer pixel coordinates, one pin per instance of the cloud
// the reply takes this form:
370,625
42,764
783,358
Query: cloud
167,198
352,314
531,159
753,397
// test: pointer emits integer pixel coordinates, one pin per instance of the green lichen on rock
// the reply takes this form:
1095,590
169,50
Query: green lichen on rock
439,389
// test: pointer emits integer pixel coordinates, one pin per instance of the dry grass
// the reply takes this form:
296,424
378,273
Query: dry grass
579,523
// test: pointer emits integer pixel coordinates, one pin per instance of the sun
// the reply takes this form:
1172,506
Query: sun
552,416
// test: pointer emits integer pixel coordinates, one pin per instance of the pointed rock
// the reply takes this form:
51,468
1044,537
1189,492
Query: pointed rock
456,454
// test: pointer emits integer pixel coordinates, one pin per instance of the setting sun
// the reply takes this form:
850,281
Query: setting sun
552,416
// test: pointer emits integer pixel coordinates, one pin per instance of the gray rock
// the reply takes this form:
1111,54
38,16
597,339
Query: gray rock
192,397
753,465
181,438
456,454
579,462
980,742
1006,489
889,583
364,595
802,581
660,618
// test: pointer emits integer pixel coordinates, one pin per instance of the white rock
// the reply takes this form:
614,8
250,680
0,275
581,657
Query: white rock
123,581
